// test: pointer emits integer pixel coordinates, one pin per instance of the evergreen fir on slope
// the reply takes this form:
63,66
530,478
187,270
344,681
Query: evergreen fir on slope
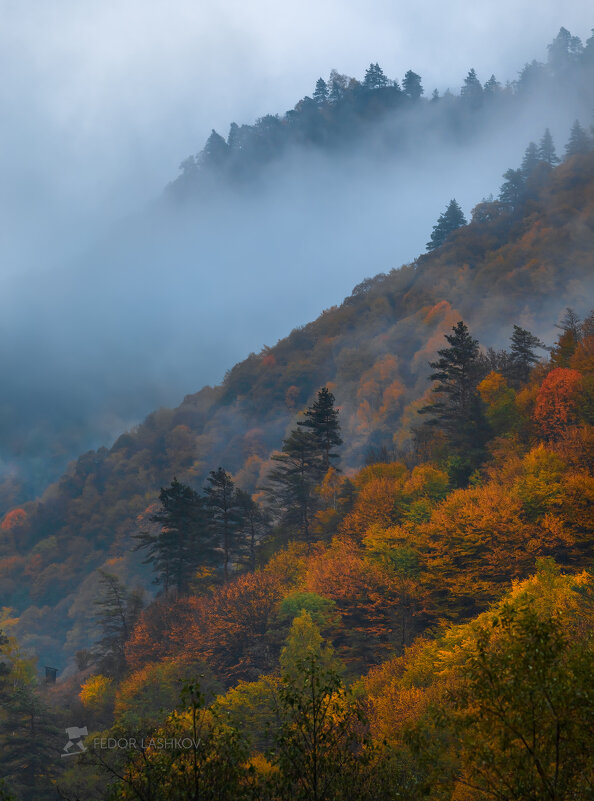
117,611
412,86
183,542
375,78
254,526
546,149
472,91
579,141
457,412
291,485
224,509
522,354
448,222
321,92
322,420
511,193
530,161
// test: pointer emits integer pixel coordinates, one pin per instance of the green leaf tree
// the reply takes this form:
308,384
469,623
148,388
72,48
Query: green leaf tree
321,747
528,718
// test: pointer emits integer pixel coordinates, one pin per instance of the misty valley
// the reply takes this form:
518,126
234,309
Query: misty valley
355,565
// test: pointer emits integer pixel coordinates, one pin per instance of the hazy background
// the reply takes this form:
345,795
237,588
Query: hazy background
101,100
109,310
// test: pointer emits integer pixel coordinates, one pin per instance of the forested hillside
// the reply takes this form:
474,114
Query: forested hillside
385,114
418,627
519,261
360,567
344,185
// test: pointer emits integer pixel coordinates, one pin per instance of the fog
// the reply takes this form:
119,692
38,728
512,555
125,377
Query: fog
115,303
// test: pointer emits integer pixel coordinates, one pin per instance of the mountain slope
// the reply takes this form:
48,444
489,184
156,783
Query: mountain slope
519,267
340,181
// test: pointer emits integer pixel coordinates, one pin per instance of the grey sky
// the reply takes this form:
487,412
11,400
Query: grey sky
102,99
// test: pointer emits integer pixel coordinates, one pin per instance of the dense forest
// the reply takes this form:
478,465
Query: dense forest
361,566
346,184
384,113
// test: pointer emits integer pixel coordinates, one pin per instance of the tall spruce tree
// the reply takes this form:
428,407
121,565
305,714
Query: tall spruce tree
571,322
374,78
472,91
546,149
117,611
412,86
224,508
183,542
254,526
492,87
321,418
448,222
291,485
512,190
321,92
579,141
457,412
522,355
530,161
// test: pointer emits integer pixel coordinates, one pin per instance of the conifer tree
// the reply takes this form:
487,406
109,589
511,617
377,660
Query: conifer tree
292,483
448,222
322,420
320,94
215,152
472,91
546,149
530,161
570,322
522,355
374,78
492,87
512,190
254,525
117,612
579,141
564,50
183,542
223,509
412,85
457,412
30,740
567,342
